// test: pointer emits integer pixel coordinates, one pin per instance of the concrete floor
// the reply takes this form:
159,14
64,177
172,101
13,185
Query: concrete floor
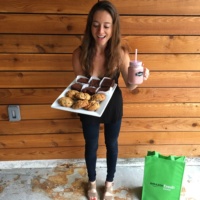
67,179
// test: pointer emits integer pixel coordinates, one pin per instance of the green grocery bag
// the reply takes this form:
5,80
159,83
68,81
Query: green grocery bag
163,176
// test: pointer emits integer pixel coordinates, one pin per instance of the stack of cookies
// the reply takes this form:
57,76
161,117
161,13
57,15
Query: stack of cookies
77,100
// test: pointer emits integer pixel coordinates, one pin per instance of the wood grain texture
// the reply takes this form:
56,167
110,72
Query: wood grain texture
44,44
128,7
63,79
74,24
38,44
47,6
37,40
162,110
76,139
36,62
139,95
158,7
132,151
63,62
128,124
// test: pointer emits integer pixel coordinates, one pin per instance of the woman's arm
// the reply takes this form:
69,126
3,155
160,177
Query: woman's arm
77,67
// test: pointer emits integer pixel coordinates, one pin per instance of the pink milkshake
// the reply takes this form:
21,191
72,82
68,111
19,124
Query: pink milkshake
135,71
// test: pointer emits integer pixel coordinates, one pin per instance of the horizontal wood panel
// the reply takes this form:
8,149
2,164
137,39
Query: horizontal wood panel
170,79
128,124
157,138
52,140
162,44
31,112
29,96
12,43
130,110
151,7
73,24
63,79
173,79
36,62
76,139
36,79
63,62
141,150
161,95
132,151
139,95
170,62
162,110
38,43
159,7
47,6
160,25
42,24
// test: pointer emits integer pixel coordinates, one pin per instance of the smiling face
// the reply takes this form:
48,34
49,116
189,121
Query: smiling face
102,26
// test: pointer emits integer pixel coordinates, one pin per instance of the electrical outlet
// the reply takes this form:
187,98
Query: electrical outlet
14,113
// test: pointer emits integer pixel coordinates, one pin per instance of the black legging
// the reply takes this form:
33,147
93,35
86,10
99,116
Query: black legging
91,135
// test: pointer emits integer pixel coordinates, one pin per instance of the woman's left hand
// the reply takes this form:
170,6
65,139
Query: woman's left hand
146,73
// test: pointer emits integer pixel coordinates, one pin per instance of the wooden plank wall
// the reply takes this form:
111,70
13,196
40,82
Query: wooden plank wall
36,41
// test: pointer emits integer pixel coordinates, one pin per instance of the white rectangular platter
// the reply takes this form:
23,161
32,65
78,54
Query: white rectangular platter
96,113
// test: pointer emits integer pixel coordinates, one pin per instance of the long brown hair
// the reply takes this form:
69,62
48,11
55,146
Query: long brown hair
113,48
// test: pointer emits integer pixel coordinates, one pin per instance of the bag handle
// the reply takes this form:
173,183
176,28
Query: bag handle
170,157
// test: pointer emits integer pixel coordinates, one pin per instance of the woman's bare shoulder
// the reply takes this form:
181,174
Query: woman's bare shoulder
125,56
76,62
77,51
124,51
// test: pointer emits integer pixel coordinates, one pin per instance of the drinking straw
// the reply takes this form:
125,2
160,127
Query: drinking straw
135,55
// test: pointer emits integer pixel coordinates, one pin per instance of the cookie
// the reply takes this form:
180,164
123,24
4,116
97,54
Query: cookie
66,101
98,97
71,93
83,95
92,106
80,104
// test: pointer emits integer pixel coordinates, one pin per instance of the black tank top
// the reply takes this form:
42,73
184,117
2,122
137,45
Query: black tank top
113,111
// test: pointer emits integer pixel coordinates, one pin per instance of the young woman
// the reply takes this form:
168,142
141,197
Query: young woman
102,55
